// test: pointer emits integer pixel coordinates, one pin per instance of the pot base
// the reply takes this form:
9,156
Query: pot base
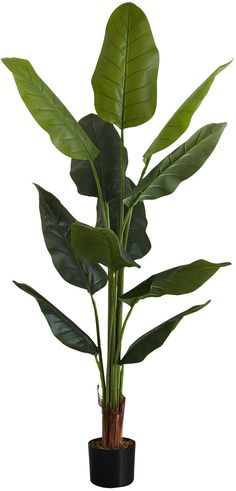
111,468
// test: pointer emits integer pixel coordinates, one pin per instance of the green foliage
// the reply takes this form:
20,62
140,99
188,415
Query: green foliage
107,250
175,281
49,112
153,339
181,164
181,119
61,326
106,138
124,81
56,227
125,91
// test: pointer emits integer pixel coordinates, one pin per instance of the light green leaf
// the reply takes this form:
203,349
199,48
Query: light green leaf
64,329
175,281
180,121
124,80
181,164
153,339
49,112
99,245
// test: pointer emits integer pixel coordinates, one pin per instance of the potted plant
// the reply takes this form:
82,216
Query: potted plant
124,84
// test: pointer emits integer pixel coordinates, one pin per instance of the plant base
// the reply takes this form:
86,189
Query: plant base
111,468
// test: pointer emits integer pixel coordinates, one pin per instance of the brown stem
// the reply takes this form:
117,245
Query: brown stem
112,425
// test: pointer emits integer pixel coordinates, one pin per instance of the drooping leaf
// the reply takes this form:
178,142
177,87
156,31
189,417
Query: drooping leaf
153,339
99,245
181,164
138,242
61,326
105,137
49,112
175,281
56,226
181,119
124,80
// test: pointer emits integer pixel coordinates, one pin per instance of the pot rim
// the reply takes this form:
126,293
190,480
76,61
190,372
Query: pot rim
111,449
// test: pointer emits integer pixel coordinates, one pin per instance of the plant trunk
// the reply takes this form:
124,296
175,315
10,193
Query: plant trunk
112,425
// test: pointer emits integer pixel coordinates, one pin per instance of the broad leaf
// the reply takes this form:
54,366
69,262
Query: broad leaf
180,121
138,242
56,226
175,281
105,137
153,339
99,245
124,80
49,112
181,164
61,326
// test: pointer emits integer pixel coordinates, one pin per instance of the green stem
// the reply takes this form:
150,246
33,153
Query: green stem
127,221
121,379
144,170
100,195
110,345
100,362
118,347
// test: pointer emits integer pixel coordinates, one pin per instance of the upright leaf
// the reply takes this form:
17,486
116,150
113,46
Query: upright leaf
138,242
181,164
124,80
105,137
99,245
175,281
153,339
49,112
181,119
61,326
56,226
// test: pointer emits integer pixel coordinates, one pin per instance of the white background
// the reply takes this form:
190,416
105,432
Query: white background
181,402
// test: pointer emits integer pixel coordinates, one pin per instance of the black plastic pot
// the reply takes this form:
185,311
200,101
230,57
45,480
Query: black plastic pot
111,468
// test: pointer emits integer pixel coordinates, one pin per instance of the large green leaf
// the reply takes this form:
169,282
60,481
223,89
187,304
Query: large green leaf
175,281
124,80
61,326
99,245
153,339
105,137
181,164
49,112
180,121
138,242
56,226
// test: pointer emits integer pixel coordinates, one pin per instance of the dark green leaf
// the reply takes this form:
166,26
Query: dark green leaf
138,242
181,164
105,137
153,339
180,121
124,80
56,226
99,245
61,326
175,281
49,112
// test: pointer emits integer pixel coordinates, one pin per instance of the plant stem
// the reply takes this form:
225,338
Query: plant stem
110,345
118,346
144,170
100,195
120,274
100,361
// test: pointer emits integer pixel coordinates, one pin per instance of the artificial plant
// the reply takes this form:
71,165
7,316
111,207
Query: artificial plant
125,89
